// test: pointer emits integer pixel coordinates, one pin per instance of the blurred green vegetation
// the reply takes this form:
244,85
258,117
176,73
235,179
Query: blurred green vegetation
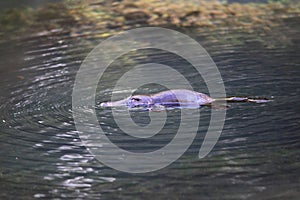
113,16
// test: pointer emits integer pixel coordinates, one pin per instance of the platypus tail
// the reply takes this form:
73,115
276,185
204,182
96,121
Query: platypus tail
243,99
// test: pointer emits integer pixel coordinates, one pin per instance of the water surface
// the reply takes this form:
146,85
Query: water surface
257,156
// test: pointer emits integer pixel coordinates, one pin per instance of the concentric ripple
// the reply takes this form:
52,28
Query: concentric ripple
42,156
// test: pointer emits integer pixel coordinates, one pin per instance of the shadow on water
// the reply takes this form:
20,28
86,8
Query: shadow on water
257,156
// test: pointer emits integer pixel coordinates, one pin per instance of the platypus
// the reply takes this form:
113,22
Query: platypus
175,98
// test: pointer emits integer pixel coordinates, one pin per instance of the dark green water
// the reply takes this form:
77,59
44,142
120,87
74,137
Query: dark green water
26,3
257,156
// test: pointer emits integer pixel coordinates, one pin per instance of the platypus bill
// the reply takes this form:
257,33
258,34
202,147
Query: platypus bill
175,98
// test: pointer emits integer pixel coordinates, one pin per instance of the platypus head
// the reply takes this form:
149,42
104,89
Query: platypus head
139,101
131,102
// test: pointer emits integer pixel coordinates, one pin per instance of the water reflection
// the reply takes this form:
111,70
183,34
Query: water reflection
42,156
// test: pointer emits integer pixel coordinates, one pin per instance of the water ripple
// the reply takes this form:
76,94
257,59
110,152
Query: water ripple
43,157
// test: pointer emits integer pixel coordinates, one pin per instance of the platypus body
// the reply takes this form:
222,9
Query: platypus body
174,98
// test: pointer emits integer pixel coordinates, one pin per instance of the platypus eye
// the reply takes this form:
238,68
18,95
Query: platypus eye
136,99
